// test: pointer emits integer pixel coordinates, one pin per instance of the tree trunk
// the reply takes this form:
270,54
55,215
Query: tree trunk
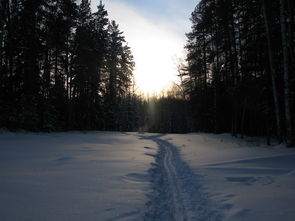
272,73
205,119
288,122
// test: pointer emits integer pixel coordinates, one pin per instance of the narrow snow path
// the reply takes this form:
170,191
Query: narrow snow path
179,209
176,194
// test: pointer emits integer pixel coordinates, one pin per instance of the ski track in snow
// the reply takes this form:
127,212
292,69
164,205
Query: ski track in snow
176,195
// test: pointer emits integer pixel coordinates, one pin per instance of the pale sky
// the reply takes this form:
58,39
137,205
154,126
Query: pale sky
155,31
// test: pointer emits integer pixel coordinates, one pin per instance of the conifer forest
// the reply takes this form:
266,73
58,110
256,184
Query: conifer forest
65,67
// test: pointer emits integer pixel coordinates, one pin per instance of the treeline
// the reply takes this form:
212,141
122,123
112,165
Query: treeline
167,112
240,76
63,67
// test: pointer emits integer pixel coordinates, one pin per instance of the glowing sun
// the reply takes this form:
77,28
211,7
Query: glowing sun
155,46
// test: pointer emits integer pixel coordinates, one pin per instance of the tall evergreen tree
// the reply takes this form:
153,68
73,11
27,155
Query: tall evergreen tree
228,81
56,68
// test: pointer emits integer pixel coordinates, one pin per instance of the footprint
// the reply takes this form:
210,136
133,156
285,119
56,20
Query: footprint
150,154
136,177
61,159
242,180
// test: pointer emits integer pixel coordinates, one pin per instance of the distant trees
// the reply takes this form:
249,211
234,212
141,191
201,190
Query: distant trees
240,74
166,115
63,67
166,112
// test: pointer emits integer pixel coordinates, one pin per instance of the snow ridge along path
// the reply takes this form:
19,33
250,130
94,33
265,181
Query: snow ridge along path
176,195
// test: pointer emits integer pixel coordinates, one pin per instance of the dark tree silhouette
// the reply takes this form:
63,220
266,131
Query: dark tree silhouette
239,76
63,67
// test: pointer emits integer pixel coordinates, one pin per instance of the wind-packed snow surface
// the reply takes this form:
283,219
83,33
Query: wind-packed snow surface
108,176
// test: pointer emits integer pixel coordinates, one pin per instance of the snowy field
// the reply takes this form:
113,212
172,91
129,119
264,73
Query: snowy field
106,176
245,180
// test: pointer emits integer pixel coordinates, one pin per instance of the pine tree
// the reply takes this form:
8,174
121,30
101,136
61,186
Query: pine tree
82,65
228,81
59,64
119,67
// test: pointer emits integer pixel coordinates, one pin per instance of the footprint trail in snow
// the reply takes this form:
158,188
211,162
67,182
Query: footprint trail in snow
176,195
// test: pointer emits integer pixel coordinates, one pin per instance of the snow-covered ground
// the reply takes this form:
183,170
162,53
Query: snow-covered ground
73,176
106,176
244,181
